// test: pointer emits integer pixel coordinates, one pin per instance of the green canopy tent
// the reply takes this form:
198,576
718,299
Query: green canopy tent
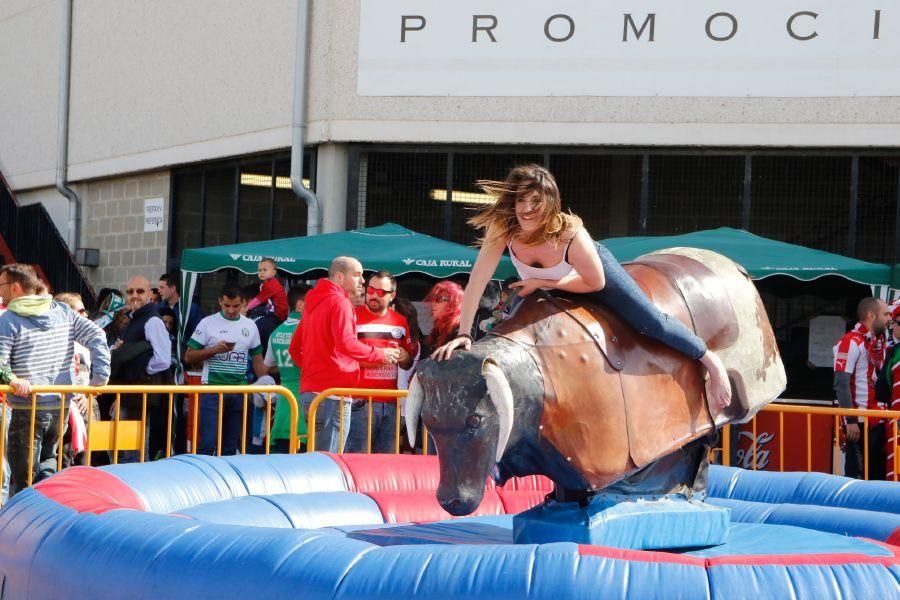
389,246
763,257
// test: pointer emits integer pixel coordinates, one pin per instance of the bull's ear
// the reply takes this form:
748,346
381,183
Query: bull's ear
501,397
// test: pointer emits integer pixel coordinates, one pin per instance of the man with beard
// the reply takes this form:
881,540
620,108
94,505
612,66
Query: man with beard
857,357
379,326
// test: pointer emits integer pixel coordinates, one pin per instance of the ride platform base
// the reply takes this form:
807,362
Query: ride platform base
629,522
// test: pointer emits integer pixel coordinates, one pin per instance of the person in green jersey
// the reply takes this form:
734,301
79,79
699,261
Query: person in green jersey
279,361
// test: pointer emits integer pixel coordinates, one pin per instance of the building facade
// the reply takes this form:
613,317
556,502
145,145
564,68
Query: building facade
664,118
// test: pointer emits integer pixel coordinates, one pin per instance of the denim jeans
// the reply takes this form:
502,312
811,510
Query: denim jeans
45,445
622,294
232,423
384,423
327,424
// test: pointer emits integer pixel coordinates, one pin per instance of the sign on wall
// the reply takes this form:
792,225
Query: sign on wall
153,214
766,48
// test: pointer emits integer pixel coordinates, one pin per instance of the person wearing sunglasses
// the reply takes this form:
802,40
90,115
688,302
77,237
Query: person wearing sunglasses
379,326
144,358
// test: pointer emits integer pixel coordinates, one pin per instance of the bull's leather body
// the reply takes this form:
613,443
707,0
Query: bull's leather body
615,400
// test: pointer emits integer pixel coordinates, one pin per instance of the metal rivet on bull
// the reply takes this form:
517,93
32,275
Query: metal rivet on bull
569,458
614,339
618,363
541,427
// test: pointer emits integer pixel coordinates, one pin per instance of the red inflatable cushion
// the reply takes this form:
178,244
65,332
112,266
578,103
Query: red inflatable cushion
388,472
422,506
87,489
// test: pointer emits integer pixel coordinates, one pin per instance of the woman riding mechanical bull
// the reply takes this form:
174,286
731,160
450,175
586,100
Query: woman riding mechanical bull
551,249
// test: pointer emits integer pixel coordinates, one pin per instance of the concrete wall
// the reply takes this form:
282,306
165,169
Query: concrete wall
153,84
29,64
113,221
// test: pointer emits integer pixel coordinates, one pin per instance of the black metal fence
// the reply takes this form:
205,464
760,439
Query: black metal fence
33,238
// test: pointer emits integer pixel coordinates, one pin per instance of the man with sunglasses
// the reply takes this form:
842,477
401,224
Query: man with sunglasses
379,326
144,357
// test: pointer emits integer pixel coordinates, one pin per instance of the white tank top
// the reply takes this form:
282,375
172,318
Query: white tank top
556,272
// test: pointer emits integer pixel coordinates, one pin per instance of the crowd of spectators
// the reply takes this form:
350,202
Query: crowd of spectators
346,331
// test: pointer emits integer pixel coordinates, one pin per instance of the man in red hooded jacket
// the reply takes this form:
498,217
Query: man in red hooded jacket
328,352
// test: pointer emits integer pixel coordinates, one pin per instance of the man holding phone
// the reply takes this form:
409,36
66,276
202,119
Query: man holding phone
226,343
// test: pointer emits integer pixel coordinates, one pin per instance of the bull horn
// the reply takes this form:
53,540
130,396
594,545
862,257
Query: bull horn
502,399
414,401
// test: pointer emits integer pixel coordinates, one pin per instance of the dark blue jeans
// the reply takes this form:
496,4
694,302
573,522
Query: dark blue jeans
384,426
232,423
624,296
44,446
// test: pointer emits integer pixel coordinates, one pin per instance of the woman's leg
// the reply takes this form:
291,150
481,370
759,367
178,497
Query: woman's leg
622,294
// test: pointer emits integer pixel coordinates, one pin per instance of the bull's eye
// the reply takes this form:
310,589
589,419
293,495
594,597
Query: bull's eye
473,422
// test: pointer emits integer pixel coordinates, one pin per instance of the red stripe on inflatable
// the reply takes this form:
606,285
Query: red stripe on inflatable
757,560
639,555
88,489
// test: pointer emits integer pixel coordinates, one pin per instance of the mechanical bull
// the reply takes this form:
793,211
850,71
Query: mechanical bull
564,388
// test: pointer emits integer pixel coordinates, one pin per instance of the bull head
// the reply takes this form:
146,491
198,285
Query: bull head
470,422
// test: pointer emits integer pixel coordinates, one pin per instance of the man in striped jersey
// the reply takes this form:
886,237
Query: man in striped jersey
379,326
37,338
856,358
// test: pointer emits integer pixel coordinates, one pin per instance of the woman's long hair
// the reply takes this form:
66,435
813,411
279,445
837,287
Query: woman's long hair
499,219
447,326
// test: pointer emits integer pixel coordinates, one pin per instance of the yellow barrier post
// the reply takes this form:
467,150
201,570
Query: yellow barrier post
169,425
726,445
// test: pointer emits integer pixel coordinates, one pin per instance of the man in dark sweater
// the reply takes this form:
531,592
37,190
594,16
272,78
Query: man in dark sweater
142,356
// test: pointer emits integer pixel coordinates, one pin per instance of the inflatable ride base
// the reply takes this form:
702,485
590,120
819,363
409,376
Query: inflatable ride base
628,522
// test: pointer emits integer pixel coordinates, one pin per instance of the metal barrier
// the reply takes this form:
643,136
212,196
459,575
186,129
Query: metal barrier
890,416
129,434
346,395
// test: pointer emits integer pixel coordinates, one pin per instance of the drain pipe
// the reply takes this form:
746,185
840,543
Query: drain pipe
62,139
298,124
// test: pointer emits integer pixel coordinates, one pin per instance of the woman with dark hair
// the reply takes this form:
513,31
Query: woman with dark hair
552,250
